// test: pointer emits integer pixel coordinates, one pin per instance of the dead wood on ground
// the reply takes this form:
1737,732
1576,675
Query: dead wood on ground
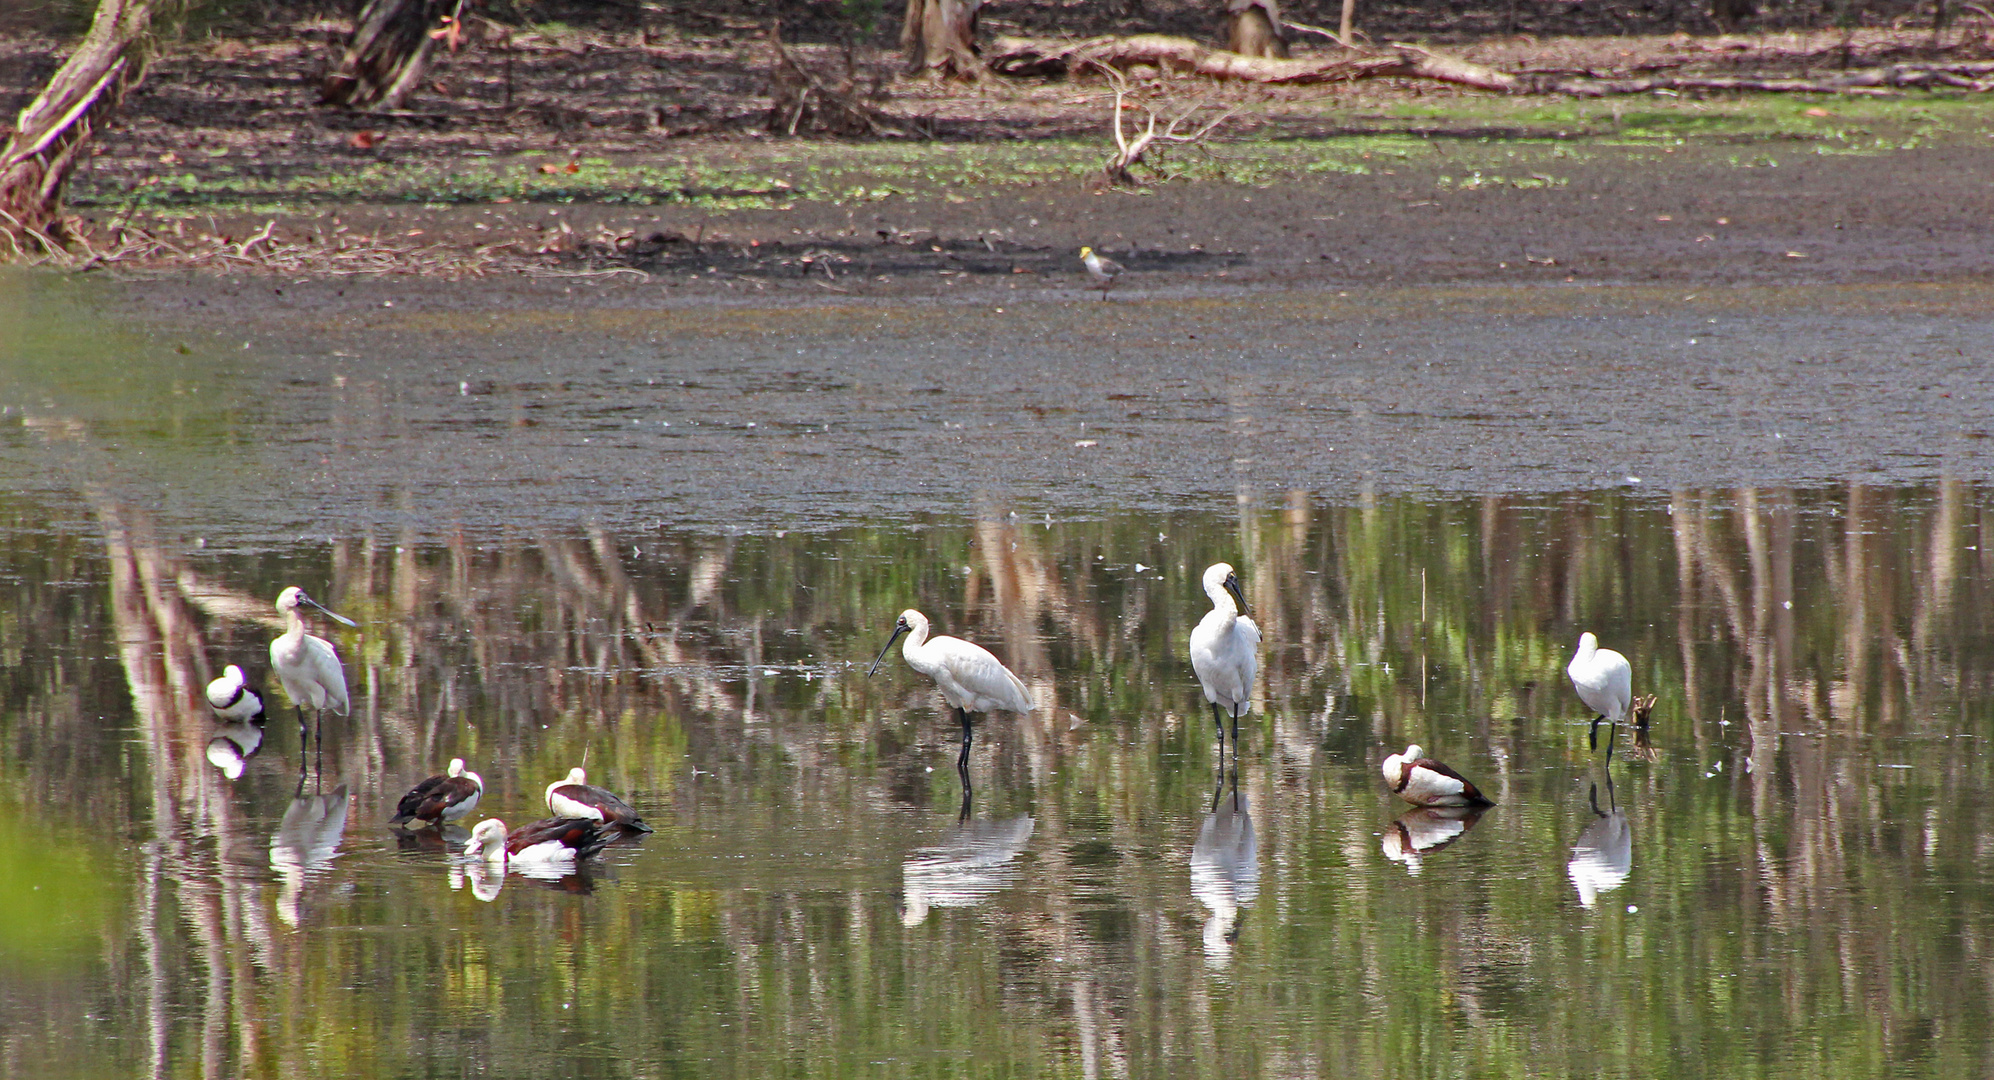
803,101
1130,152
1400,60
1019,56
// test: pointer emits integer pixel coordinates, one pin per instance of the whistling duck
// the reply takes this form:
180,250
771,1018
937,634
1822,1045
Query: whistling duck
1423,781
549,841
575,797
443,799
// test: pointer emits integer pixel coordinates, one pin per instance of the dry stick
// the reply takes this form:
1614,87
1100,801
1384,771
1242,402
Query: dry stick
1342,39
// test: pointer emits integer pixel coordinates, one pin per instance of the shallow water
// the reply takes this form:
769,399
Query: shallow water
1786,876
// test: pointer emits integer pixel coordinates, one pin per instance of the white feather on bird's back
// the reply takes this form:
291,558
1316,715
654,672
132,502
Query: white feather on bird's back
969,675
1603,678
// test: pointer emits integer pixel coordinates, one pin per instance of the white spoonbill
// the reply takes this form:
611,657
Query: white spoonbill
308,666
557,842
443,799
1605,682
971,679
575,797
1225,650
1423,781
234,700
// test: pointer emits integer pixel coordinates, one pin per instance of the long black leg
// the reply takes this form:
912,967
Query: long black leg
1612,729
1218,726
1235,733
962,815
1592,736
1218,789
962,761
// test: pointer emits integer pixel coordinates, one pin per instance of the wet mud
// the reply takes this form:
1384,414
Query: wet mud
317,408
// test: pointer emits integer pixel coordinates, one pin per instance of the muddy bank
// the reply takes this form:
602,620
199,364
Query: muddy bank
252,418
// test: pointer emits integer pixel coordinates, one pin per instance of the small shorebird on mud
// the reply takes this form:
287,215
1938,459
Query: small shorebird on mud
1101,268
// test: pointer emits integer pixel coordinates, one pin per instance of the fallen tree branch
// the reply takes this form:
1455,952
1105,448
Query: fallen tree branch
1129,152
1018,56
1870,82
1403,60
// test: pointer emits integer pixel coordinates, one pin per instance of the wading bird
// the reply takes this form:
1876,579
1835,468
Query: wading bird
232,699
971,679
575,797
308,666
1225,650
1604,681
443,799
550,842
1423,781
1101,268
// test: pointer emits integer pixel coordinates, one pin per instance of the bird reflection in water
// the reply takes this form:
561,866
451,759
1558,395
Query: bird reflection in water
305,842
973,862
1604,854
484,880
1225,869
1425,830
233,745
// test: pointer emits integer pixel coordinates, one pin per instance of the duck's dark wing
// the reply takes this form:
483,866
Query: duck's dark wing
613,809
585,837
418,797
1467,786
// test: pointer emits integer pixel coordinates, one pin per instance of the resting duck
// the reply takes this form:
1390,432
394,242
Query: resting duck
553,840
233,700
1423,781
443,799
575,797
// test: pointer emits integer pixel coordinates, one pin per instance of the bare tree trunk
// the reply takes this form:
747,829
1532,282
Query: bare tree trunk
940,36
36,161
1253,28
390,47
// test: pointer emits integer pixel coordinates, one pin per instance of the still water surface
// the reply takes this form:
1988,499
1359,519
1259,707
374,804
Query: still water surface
1791,876
1788,877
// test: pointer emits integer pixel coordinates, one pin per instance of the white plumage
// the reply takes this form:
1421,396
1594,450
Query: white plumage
232,699
1603,857
1225,650
1423,781
1225,873
971,865
1605,683
971,679
553,845
1423,830
233,745
308,666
